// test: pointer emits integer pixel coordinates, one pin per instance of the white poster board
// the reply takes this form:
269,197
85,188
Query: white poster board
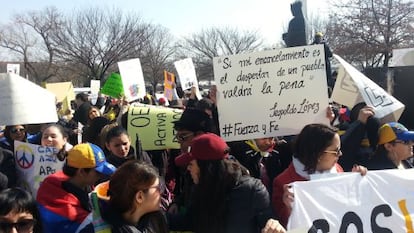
352,87
34,163
13,68
402,57
381,199
23,102
132,79
187,75
270,93
95,87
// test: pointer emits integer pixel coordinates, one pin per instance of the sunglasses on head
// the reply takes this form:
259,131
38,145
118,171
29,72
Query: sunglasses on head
15,130
22,226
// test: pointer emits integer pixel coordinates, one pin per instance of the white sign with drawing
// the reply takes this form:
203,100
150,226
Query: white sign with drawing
132,79
353,87
34,163
187,75
270,93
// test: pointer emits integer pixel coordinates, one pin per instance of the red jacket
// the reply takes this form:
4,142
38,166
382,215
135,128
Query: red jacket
286,177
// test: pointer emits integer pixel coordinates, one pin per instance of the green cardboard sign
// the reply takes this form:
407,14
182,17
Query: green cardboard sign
113,86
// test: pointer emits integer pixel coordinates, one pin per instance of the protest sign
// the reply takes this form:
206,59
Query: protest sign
64,93
23,102
270,93
153,126
13,68
402,57
352,87
381,201
95,86
187,75
169,82
132,79
34,163
113,86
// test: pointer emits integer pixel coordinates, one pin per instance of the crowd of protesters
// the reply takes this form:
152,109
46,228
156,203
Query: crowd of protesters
207,185
213,181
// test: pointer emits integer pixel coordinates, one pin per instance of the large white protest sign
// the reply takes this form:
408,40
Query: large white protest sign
270,93
352,87
132,79
381,201
23,102
34,163
187,75
402,57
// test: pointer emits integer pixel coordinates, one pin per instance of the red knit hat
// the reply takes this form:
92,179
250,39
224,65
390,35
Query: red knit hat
206,146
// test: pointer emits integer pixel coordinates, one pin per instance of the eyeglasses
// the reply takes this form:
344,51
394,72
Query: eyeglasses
15,130
183,137
404,142
22,226
337,152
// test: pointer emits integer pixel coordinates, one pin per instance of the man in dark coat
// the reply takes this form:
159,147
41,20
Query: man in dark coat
296,35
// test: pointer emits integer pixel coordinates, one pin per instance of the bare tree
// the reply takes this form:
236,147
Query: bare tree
365,31
95,39
214,42
29,35
156,54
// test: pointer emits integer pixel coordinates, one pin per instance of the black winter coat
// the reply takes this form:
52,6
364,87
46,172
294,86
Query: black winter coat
248,209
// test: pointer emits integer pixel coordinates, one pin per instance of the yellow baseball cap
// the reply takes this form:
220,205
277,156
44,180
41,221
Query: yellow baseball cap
394,131
88,155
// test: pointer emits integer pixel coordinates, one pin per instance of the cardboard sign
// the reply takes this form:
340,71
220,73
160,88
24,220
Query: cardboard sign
23,102
352,87
34,163
381,201
270,93
169,81
187,74
113,86
132,79
64,93
153,125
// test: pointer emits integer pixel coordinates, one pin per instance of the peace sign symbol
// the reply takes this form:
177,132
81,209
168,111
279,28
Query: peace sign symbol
24,156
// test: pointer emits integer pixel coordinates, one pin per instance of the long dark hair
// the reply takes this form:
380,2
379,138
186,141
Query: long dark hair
309,144
18,200
127,180
217,179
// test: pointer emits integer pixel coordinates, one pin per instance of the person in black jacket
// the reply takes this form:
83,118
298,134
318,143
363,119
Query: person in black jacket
265,158
8,175
225,199
360,139
318,39
296,35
